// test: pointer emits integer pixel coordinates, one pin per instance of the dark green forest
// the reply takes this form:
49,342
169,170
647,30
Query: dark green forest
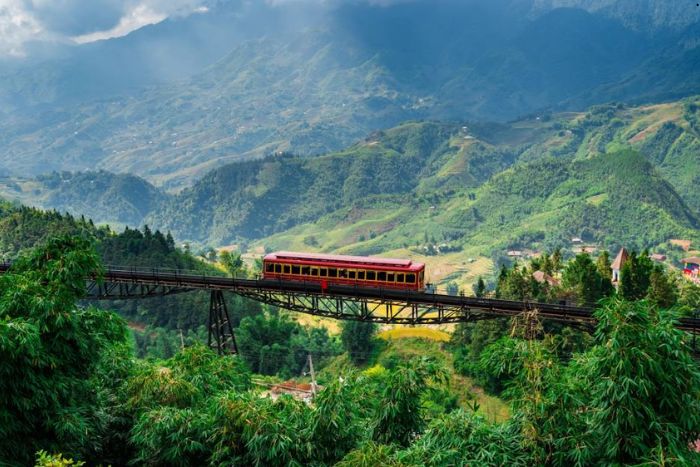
72,387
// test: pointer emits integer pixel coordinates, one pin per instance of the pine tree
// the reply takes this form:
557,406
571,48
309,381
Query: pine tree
556,260
479,288
635,276
662,291
605,270
582,277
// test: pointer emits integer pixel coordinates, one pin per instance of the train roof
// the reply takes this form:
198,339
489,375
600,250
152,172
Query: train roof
369,260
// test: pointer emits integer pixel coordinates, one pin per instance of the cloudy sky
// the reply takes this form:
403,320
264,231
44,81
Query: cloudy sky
24,21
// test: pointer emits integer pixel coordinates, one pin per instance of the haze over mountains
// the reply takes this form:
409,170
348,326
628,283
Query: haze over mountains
172,101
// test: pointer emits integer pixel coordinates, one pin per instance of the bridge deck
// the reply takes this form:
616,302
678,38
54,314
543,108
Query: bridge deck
340,302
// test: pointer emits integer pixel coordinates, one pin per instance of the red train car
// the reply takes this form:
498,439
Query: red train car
345,270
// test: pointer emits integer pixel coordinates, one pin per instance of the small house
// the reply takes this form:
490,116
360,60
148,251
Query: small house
515,253
658,257
616,266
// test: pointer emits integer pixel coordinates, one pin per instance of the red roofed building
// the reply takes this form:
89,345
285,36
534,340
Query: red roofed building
691,268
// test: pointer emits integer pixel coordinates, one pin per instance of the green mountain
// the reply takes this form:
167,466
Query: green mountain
101,196
314,79
456,196
613,176
431,161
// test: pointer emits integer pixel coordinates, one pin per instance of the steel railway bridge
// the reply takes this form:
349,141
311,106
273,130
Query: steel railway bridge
376,305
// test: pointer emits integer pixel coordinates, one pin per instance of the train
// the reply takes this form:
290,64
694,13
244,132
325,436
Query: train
363,271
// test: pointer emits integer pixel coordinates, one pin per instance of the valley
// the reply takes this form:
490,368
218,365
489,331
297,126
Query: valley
456,196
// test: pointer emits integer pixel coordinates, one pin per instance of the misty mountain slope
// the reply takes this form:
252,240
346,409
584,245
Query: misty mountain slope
320,84
166,52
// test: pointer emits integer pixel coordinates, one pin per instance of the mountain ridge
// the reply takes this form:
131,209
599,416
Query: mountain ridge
313,89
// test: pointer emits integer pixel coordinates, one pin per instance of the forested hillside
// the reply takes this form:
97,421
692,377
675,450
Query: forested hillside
154,320
102,196
614,175
73,389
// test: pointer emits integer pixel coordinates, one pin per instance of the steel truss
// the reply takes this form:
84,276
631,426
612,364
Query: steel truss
381,310
125,290
221,336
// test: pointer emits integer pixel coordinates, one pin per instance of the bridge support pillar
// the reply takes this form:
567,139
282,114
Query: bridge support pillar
221,336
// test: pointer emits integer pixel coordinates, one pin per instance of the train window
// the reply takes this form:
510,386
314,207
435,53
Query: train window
411,278
324,272
371,275
390,277
314,271
361,275
287,269
332,272
305,270
278,268
295,269
399,278
343,273
269,267
351,274
381,276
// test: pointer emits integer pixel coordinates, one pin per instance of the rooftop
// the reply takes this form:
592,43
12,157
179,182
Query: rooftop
339,258
620,259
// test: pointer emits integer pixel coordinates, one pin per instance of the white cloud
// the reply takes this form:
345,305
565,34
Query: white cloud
17,27
23,21
139,16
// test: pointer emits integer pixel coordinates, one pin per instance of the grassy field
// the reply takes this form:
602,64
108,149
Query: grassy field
417,332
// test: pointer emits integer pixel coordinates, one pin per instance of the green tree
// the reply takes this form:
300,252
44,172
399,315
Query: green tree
582,277
371,454
635,276
399,418
479,288
253,430
604,269
689,294
169,402
662,291
516,284
232,262
465,438
469,341
336,425
643,385
50,351
43,459
358,340
452,288
556,260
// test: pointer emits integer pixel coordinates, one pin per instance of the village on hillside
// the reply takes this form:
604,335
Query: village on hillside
690,262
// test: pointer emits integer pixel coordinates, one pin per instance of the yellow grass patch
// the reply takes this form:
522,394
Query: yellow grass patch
417,332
